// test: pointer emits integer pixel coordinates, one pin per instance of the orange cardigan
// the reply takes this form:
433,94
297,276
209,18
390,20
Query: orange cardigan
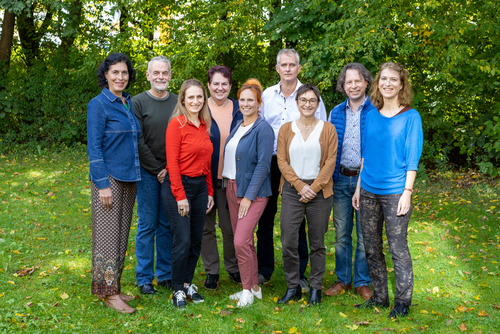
328,141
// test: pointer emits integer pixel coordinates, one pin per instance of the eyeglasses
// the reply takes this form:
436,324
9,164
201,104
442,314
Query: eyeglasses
304,101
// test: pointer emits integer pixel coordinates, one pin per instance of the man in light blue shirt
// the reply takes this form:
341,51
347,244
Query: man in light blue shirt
349,120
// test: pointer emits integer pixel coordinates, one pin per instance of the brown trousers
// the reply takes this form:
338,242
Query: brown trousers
110,230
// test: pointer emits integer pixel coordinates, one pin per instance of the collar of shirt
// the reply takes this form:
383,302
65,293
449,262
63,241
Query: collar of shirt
361,106
183,118
112,97
277,88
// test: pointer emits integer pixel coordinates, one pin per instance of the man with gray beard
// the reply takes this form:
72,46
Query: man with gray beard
153,109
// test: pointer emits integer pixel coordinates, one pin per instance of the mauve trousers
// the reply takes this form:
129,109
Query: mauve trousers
317,213
243,230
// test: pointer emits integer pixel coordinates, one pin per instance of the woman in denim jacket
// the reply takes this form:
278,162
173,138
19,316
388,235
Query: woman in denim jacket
112,133
247,162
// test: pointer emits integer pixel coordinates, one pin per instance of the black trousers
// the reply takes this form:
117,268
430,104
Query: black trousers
265,241
187,231
374,210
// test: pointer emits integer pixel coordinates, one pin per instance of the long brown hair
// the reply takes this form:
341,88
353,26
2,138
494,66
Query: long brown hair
180,109
405,95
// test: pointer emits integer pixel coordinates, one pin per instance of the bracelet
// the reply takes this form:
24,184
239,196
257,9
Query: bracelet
410,190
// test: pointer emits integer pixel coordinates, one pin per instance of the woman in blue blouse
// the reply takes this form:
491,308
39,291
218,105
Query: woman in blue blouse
112,133
392,145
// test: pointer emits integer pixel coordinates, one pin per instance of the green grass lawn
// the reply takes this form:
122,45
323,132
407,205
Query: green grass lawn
45,225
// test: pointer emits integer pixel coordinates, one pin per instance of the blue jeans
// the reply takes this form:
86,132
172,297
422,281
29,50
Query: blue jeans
152,223
343,214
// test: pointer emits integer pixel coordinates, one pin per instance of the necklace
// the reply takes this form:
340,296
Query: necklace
308,126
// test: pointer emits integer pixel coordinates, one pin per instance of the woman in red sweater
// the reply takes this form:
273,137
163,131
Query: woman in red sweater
187,191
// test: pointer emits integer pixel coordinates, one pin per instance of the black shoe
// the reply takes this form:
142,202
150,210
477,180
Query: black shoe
211,281
399,311
192,292
235,277
371,303
167,284
294,293
314,296
147,289
179,299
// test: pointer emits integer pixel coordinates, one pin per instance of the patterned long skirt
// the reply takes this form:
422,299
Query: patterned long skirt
110,230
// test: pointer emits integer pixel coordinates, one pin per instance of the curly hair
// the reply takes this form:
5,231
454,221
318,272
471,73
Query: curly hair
180,108
362,71
405,95
113,59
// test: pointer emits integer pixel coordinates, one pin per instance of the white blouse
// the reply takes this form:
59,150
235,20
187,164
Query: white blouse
229,169
305,156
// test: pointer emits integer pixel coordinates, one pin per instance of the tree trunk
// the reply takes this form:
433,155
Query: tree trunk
73,23
8,24
29,36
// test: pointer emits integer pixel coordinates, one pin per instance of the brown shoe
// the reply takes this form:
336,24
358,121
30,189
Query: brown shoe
364,291
115,302
124,297
337,288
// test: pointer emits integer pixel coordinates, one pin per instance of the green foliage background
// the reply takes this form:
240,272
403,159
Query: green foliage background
451,49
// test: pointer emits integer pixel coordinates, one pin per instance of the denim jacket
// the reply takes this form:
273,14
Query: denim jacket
253,160
112,134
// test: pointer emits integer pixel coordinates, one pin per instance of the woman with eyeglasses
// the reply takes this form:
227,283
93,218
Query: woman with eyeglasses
307,151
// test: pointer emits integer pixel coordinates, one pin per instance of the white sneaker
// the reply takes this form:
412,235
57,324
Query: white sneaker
237,295
246,299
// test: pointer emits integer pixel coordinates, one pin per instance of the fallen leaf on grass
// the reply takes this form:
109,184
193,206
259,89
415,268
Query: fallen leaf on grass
423,312
240,320
292,330
10,282
436,313
199,316
16,252
28,304
128,267
64,295
229,306
139,307
342,315
463,327
353,327
462,308
275,299
277,309
362,323
435,290
1,295
319,321
483,314
27,271
225,312
497,306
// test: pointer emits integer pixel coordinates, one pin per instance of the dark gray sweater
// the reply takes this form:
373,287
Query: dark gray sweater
153,114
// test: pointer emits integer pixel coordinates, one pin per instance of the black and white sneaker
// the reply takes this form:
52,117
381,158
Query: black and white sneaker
399,311
192,293
179,299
